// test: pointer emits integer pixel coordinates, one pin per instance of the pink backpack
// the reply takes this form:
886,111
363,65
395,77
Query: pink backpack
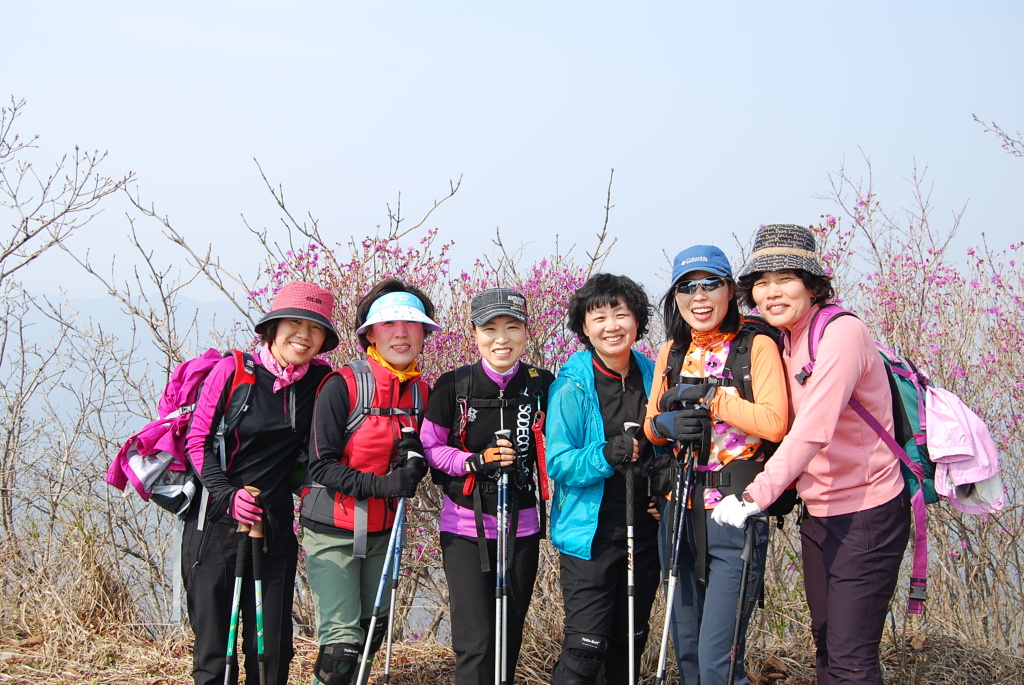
153,460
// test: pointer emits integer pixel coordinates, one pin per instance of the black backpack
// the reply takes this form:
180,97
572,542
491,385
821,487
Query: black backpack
738,474
523,477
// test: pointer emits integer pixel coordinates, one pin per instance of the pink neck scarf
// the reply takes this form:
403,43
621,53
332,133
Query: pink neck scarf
286,376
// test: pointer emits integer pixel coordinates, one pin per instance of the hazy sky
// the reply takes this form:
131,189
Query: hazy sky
717,116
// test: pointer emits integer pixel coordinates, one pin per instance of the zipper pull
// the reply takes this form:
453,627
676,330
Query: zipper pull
501,408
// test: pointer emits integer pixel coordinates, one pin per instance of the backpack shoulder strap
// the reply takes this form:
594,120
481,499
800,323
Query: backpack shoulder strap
366,388
463,390
738,362
825,315
244,376
417,400
673,365
742,349
534,381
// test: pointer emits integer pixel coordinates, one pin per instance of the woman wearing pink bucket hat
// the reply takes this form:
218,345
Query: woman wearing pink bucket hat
260,454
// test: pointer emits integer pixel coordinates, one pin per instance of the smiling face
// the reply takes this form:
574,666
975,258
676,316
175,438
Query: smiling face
398,342
704,311
501,341
782,298
612,331
297,341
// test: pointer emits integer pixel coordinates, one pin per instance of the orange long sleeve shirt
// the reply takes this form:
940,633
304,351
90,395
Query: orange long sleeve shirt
738,425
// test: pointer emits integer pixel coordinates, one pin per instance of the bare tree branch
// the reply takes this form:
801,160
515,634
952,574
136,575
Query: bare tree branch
600,253
46,209
1014,144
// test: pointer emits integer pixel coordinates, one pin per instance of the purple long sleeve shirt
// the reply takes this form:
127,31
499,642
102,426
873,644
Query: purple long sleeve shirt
452,460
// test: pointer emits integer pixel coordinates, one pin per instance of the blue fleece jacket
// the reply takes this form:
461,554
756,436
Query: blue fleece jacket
575,452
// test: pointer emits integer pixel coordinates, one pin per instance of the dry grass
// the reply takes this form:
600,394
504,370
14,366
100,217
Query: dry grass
114,658
67,616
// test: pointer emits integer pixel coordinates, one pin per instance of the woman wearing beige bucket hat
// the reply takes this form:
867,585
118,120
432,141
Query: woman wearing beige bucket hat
857,511
360,468
261,452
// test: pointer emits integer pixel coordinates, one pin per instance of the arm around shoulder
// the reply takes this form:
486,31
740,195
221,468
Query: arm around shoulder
767,416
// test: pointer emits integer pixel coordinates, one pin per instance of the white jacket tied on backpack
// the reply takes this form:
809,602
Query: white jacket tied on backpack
965,455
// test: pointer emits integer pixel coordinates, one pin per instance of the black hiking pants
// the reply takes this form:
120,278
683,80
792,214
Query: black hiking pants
209,575
472,603
595,597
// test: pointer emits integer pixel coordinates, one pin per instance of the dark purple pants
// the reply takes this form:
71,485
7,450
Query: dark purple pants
851,564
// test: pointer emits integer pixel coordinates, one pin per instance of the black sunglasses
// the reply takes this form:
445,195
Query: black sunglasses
708,284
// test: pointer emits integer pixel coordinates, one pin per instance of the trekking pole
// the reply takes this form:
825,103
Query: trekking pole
407,432
629,430
501,575
682,493
393,541
256,534
748,552
241,561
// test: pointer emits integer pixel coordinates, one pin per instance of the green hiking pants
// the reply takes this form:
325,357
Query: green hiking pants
344,588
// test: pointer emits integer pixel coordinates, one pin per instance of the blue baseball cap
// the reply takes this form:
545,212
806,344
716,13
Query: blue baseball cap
700,258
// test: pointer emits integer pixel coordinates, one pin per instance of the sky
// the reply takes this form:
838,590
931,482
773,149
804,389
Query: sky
717,117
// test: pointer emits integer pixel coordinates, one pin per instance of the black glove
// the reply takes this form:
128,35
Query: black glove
408,447
684,395
486,462
683,425
399,483
618,450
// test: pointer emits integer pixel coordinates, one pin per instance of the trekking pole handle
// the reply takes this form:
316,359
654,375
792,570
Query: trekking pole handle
629,429
503,434
254,530
410,432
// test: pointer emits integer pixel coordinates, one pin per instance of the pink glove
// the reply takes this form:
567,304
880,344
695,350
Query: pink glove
244,507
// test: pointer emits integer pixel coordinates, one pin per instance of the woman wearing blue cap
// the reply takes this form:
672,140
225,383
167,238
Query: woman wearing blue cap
719,396
358,464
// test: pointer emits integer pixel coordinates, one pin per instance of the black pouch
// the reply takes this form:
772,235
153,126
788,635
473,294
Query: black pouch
739,473
661,474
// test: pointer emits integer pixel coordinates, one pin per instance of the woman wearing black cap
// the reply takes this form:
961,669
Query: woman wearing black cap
260,453
467,407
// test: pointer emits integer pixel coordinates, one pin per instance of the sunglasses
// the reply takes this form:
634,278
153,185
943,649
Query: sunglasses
708,284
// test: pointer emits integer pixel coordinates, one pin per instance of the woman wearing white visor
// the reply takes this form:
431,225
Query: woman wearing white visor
358,462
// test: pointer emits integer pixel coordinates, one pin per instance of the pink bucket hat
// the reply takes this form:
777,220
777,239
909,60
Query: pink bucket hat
301,300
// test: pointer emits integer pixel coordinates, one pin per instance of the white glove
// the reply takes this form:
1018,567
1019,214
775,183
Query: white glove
734,511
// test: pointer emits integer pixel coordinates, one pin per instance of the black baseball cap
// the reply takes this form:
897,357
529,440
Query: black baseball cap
497,302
